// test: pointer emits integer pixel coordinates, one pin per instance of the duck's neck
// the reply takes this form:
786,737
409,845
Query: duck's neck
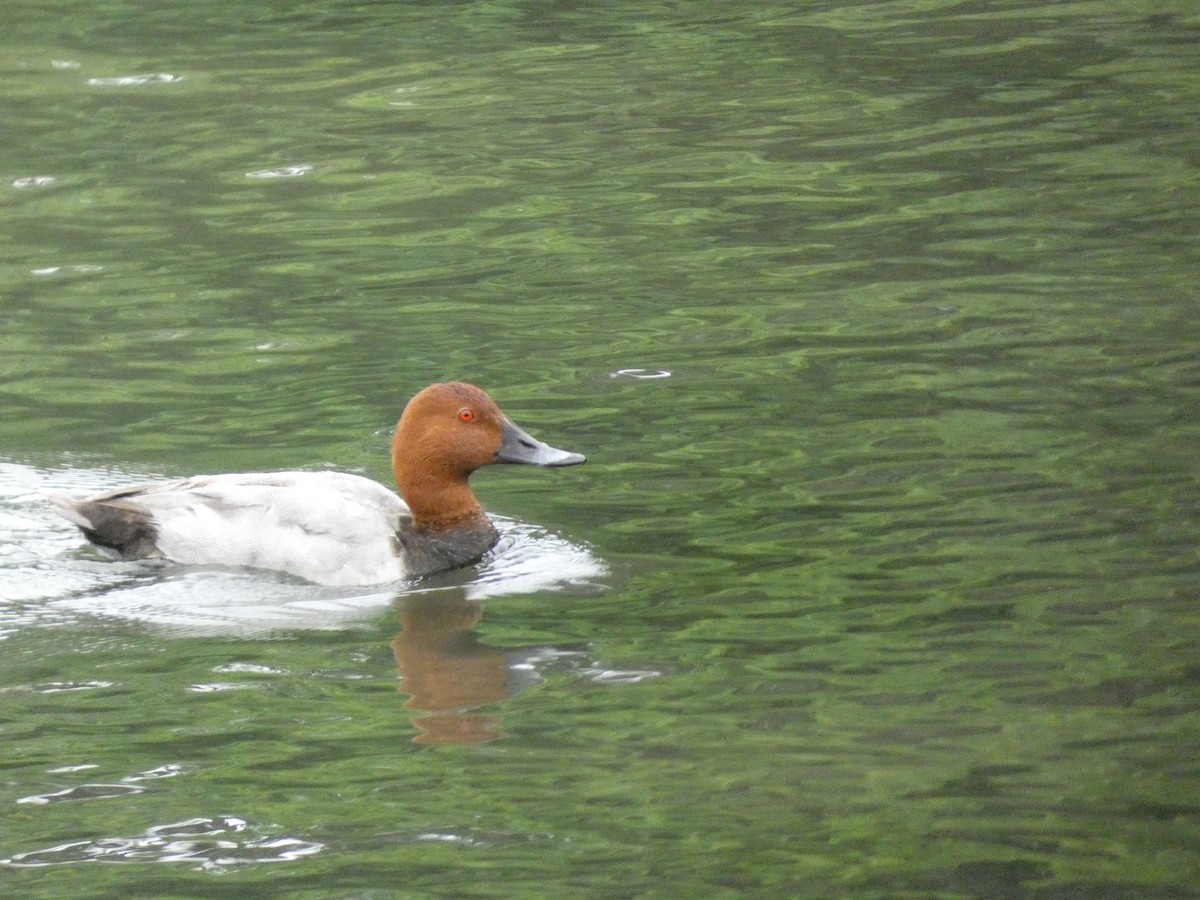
437,495
449,528
442,507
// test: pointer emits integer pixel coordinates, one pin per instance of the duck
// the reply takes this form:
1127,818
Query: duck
331,528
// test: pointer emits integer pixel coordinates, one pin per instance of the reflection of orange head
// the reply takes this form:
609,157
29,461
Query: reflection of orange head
445,670
444,612
457,729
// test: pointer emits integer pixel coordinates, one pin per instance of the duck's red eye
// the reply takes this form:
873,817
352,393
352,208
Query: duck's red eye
466,414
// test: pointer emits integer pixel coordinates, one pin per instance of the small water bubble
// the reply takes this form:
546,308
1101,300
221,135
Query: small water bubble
35,181
281,172
170,770
438,837
58,687
67,270
200,825
135,80
248,669
640,373
614,676
219,686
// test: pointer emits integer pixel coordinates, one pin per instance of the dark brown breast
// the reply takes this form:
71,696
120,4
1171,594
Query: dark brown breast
425,551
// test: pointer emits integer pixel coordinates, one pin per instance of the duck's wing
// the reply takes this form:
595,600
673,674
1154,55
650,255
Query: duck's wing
328,527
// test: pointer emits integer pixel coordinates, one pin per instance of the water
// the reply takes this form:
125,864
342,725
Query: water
877,323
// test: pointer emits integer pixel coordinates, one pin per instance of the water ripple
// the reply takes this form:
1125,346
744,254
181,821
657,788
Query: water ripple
210,842
83,792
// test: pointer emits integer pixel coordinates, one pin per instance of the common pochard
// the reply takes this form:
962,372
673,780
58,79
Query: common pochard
331,527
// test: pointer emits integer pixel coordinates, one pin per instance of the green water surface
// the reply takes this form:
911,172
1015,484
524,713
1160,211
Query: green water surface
878,324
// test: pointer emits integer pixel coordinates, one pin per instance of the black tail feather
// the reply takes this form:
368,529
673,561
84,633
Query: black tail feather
123,527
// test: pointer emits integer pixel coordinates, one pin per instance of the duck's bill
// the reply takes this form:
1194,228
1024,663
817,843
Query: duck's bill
518,447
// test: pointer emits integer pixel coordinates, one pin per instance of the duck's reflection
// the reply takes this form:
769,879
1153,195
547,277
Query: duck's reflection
447,671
